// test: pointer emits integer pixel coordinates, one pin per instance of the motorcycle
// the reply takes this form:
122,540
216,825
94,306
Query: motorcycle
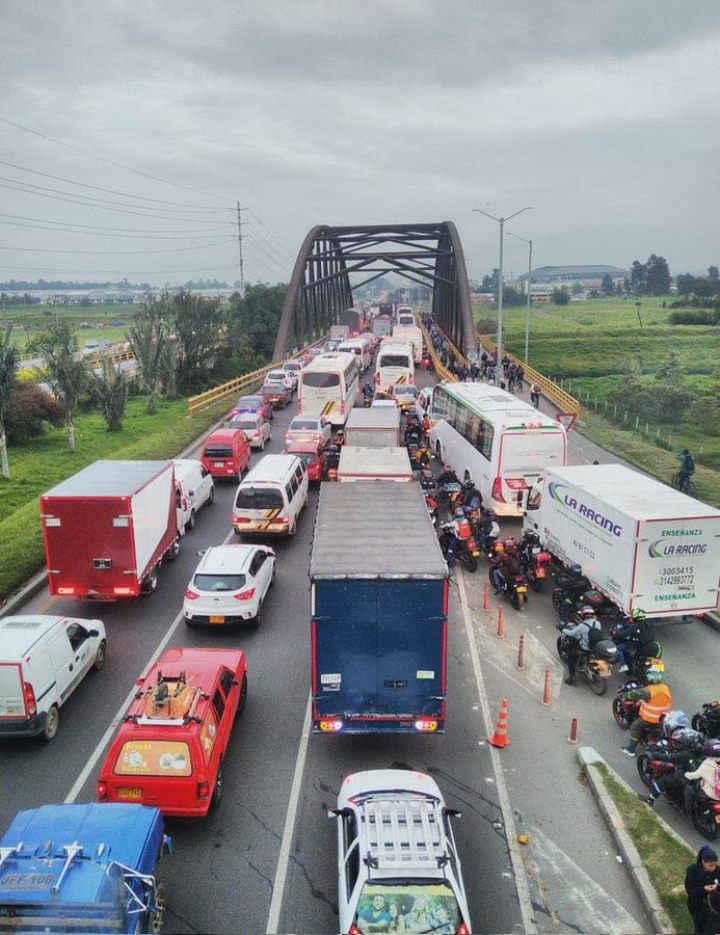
639,663
465,549
514,589
595,665
707,720
626,711
449,496
536,561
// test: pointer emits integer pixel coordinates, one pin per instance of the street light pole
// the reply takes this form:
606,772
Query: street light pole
501,222
527,316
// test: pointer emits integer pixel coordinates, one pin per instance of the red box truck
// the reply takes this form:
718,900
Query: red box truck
108,528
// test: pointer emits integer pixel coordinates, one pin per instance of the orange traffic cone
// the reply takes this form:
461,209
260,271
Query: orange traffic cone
500,737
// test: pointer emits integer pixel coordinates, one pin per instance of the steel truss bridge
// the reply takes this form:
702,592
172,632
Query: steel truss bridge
333,260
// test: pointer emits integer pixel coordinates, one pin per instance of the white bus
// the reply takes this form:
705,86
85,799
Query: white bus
502,443
394,364
328,387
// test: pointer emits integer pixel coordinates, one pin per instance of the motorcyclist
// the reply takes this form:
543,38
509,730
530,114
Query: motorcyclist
581,639
684,754
488,531
505,566
459,526
471,496
413,433
687,467
634,640
655,701
705,778
447,476
368,391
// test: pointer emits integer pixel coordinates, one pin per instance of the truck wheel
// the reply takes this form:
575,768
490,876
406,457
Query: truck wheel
217,791
52,722
149,585
173,552
100,656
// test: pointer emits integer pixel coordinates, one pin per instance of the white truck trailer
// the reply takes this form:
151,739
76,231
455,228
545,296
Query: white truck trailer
370,464
643,544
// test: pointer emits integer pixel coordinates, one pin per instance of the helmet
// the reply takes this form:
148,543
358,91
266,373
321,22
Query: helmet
674,721
654,675
575,569
637,614
587,612
491,514
468,484
711,748
460,513
686,736
509,543
499,548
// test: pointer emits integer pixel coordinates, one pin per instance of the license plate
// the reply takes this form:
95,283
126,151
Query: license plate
219,464
521,590
129,794
217,619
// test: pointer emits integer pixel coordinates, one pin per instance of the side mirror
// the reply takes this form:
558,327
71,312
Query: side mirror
334,812
93,633
453,813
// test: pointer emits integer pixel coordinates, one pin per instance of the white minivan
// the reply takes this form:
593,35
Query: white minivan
194,486
271,497
43,659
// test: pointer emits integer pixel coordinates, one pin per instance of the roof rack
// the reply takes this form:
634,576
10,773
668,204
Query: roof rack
398,832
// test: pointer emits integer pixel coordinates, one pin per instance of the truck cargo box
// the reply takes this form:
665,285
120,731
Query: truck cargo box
377,427
374,464
379,612
108,527
643,544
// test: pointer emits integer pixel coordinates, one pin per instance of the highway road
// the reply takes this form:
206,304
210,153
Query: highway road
264,860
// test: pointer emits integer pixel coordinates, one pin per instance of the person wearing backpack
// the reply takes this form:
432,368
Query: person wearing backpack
582,638
687,468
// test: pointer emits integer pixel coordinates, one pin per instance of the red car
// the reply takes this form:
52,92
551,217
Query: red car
169,750
313,454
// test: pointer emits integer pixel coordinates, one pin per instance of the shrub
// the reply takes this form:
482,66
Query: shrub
31,406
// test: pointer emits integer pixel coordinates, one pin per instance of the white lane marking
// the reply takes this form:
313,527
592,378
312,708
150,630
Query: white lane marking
99,749
284,857
521,883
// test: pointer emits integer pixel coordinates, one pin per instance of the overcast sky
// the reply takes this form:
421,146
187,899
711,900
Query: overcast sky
604,117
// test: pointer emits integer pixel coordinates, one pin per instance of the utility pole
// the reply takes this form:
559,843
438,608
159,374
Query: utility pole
240,240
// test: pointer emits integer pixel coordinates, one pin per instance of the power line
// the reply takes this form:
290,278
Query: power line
281,243
205,246
111,162
70,227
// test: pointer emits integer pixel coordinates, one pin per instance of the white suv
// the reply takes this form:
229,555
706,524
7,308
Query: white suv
398,868
230,585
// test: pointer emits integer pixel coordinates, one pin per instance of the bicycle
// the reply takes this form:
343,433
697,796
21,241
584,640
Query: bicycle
683,484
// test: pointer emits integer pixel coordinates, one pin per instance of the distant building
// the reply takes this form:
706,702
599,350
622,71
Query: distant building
545,279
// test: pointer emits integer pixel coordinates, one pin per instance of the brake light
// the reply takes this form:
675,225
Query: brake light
426,726
411,378
377,377
203,790
354,930
122,591
241,519
285,520
30,703
462,929
191,595
245,595
331,726
497,493
66,590
102,791
516,483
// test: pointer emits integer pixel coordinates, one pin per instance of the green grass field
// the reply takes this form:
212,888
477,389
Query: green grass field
591,346
29,321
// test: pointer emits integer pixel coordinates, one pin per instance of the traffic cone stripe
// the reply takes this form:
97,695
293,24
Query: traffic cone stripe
500,737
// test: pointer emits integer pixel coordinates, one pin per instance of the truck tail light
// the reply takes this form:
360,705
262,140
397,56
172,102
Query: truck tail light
463,929
30,703
123,592
354,930
331,726
66,590
203,790
245,595
426,725
497,493
191,595
102,791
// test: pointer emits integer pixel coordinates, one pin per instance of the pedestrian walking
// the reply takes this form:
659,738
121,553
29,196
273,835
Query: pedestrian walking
519,377
535,395
701,879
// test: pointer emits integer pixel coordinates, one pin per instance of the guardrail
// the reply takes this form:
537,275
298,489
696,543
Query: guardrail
245,382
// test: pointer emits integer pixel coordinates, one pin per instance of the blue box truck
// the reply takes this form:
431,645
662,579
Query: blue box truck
379,605
82,868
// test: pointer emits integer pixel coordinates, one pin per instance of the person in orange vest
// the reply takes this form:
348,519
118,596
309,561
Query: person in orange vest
655,701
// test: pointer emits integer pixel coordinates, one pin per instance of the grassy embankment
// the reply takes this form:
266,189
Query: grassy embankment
96,320
43,462
592,345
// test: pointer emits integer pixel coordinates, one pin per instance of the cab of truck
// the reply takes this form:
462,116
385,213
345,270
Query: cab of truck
169,750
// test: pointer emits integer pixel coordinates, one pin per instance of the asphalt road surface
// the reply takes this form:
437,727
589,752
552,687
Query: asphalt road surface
265,860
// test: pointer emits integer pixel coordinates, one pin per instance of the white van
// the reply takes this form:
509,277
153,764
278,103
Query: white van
271,497
194,486
43,659
360,348
394,364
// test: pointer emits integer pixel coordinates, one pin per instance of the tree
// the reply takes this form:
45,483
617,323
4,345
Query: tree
713,273
638,277
657,276
146,338
111,390
253,319
197,323
67,371
31,406
8,380
561,296
606,286
685,283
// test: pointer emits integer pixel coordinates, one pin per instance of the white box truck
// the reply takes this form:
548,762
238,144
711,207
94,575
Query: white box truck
362,464
643,544
376,427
